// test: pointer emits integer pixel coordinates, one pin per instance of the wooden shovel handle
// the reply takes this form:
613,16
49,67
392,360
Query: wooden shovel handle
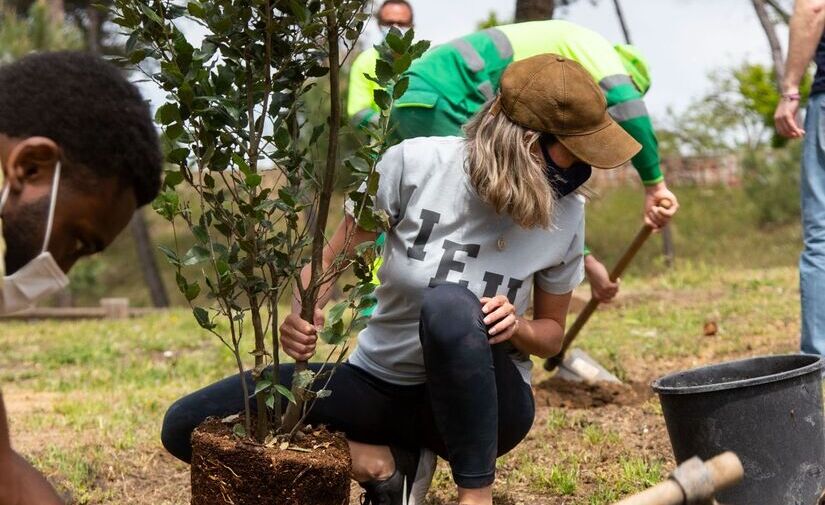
618,270
724,470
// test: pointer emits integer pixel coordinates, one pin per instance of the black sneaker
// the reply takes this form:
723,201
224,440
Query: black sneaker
396,489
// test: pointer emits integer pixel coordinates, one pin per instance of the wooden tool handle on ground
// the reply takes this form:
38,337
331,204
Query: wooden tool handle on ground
724,471
618,270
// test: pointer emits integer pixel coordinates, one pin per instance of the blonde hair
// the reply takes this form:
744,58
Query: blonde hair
504,170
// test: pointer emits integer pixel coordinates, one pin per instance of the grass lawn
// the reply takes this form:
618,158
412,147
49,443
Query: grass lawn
86,398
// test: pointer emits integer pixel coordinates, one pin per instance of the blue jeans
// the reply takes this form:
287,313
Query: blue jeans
812,261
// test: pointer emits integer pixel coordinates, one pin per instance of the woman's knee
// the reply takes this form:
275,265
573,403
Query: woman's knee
451,312
513,427
176,431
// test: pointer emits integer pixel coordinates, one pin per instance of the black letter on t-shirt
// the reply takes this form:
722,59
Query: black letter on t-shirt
449,263
513,286
428,218
493,281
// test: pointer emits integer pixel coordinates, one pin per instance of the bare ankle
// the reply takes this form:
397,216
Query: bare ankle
480,496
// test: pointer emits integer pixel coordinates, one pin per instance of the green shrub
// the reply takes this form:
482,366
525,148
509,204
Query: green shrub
771,183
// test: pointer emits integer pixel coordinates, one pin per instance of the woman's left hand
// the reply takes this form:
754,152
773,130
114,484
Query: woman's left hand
500,311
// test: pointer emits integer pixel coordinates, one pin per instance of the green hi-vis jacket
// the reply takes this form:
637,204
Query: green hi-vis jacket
466,72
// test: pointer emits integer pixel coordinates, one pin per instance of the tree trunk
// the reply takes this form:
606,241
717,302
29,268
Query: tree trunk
773,41
146,259
295,411
534,10
95,21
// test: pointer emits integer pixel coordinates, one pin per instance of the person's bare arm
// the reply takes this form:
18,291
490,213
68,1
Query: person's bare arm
806,25
298,337
20,483
346,238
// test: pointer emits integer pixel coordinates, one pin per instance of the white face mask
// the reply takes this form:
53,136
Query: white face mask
41,276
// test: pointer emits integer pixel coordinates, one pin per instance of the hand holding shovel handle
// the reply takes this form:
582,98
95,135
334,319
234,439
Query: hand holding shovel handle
551,363
692,482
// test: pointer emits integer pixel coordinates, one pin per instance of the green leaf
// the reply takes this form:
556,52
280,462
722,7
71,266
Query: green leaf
334,334
173,131
299,10
400,88
192,291
171,255
196,9
262,385
395,42
167,113
270,401
382,99
239,430
286,393
419,47
281,138
383,71
199,231
197,254
178,156
336,312
402,63
202,317
317,71
152,15
253,180
173,178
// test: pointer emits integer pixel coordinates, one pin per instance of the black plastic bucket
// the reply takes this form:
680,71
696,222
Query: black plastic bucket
768,410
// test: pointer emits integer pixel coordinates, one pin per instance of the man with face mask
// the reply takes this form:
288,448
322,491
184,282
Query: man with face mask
361,107
79,154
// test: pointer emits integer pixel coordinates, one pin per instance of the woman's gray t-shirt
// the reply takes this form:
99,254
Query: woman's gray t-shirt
442,232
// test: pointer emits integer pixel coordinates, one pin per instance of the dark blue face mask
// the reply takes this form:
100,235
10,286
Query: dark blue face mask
564,180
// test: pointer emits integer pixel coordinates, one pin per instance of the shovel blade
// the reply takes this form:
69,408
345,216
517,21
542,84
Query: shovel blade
578,366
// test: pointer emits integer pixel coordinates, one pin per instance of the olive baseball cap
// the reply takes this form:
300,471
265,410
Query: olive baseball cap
552,94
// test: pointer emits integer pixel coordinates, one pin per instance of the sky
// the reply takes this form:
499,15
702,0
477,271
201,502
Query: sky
683,40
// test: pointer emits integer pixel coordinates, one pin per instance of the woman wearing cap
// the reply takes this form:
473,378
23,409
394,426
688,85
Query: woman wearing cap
477,224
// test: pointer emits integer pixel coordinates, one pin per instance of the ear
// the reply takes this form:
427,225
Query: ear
31,161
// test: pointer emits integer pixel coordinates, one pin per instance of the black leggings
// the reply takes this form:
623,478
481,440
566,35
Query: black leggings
474,407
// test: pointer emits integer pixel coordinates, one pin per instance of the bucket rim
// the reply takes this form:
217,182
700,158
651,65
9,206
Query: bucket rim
816,364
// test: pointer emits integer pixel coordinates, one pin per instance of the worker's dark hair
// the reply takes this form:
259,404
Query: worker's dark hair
397,2
88,107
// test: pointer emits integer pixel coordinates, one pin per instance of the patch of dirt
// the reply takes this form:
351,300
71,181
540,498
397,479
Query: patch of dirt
554,392
20,402
314,470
